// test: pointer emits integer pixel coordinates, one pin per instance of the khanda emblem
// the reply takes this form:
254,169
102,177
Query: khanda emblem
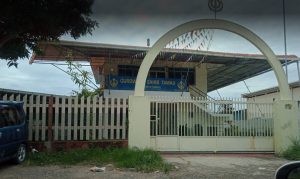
181,85
215,5
113,83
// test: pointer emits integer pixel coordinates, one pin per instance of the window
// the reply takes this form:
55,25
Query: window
9,116
183,73
128,70
132,71
157,72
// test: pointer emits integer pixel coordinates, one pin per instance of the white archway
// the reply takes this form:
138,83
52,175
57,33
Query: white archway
285,93
285,111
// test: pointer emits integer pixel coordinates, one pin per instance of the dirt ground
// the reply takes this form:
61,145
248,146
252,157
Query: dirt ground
216,166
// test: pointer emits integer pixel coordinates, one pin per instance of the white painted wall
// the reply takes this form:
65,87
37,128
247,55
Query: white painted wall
212,144
275,96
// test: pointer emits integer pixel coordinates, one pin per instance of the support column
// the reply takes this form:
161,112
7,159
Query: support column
139,122
201,77
286,127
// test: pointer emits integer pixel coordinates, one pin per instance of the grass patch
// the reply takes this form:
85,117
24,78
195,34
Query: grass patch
142,160
293,152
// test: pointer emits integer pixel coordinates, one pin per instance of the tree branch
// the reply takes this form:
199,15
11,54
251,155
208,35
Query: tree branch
90,80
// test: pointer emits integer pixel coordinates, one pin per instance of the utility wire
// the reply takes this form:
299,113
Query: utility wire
219,94
70,74
252,98
202,60
284,37
57,64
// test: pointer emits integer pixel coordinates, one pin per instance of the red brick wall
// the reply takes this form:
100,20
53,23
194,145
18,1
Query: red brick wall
68,145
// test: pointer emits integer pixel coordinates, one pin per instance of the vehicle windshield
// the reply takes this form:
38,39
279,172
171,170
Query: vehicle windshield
9,116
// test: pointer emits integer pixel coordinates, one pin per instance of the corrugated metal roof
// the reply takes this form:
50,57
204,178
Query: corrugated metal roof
269,90
104,50
233,67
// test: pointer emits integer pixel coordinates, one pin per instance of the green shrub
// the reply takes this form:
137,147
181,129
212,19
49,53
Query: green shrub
293,152
142,160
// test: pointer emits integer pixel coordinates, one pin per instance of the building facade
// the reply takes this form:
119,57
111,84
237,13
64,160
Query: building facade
178,72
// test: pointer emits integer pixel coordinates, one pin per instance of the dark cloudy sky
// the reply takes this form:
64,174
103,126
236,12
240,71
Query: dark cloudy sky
131,22
188,7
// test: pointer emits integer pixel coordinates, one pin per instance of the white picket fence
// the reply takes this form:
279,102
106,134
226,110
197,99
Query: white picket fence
66,118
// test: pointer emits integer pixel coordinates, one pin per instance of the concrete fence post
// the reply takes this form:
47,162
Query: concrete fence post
139,122
286,127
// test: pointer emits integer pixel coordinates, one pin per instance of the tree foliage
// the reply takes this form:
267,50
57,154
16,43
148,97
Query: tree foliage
25,22
82,78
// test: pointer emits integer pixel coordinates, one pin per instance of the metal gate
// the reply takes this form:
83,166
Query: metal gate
198,124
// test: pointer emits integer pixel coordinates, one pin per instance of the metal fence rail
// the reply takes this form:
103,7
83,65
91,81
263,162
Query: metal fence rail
203,117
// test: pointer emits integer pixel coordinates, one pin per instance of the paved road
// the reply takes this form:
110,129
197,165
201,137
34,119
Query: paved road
188,166
231,166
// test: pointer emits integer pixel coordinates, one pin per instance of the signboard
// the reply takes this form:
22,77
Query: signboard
152,84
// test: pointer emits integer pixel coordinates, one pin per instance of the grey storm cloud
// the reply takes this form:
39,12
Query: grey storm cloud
131,22
188,7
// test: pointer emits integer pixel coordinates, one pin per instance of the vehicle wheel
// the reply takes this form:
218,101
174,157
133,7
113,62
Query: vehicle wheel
21,154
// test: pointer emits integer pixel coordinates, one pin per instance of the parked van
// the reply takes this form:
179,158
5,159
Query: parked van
13,131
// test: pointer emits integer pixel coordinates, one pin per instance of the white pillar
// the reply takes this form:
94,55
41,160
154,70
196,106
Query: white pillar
286,127
139,122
